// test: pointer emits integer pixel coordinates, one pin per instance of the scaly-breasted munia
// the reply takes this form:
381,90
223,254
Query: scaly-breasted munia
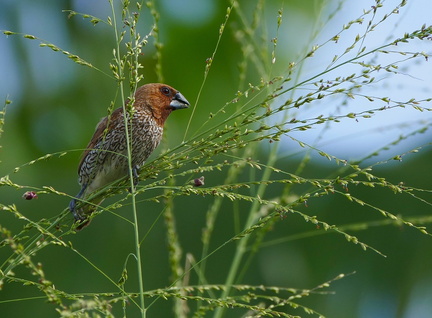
105,158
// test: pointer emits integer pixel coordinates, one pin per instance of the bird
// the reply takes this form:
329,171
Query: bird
105,158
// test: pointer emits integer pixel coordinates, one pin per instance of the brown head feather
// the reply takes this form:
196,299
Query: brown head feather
155,98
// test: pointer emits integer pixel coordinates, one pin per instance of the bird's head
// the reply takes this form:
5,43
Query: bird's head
160,100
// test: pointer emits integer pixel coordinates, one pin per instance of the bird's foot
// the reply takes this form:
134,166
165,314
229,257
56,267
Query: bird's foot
82,221
73,209
135,177
72,205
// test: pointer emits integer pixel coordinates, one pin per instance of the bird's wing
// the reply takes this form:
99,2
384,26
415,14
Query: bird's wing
104,125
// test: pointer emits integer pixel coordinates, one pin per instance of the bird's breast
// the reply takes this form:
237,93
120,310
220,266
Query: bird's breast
108,161
145,136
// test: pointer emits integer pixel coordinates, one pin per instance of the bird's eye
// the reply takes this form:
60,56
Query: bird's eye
165,90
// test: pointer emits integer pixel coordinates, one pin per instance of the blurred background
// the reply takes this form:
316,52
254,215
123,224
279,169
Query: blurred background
57,103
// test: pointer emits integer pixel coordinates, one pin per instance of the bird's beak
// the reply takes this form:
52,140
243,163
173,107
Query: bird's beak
179,102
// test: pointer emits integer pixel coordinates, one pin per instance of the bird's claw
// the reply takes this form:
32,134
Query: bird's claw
81,220
135,177
72,206
76,215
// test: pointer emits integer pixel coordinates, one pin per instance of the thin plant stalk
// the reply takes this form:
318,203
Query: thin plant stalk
131,176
